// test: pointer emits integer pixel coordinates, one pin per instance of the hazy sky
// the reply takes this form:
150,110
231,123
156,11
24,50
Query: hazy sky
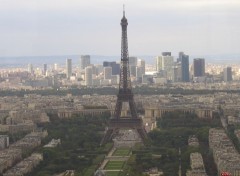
56,27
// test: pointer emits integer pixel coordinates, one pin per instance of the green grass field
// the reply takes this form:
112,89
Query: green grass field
114,165
121,152
112,173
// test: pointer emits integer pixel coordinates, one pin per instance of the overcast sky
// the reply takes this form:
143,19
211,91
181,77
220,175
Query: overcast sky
57,27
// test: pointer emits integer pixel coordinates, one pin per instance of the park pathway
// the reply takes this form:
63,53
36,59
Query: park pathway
115,159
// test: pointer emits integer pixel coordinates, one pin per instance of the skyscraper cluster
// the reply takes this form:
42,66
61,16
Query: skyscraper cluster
105,74
178,71
168,70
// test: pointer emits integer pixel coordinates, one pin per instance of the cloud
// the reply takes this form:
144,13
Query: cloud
76,4
42,27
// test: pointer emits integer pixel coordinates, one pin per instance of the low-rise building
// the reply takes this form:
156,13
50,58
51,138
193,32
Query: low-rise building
25,166
8,158
197,165
13,154
4,141
225,155
233,120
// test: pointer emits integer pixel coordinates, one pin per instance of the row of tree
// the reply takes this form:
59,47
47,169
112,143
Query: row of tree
141,90
171,135
79,149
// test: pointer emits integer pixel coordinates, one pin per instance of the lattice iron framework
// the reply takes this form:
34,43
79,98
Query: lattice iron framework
125,94
125,89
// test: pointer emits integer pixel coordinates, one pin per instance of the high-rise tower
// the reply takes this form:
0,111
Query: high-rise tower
125,94
199,67
44,69
88,76
166,63
184,60
227,74
69,68
84,62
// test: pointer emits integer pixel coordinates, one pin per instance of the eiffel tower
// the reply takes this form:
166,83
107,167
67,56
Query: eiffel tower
125,94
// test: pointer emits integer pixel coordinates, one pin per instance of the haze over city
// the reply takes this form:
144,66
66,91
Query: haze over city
63,27
96,89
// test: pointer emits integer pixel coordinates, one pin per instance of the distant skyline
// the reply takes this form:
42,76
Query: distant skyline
62,27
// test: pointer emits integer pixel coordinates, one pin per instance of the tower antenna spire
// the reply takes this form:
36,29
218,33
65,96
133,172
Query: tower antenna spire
125,95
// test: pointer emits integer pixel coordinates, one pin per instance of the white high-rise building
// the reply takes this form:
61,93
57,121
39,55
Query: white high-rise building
84,62
166,63
55,66
30,68
69,68
88,76
141,63
107,72
99,69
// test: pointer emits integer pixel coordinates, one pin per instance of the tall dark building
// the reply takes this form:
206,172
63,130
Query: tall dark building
125,94
227,74
166,53
44,69
114,65
133,61
180,55
133,70
199,67
184,59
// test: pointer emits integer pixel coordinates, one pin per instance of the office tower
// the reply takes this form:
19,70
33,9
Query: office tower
166,53
94,69
177,72
99,69
55,66
139,72
141,63
30,68
69,68
84,62
227,74
133,70
107,64
166,63
159,61
115,79
115,69
184,60
114,65
180,55
45,69
107,71
133,61
88,76
199,67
